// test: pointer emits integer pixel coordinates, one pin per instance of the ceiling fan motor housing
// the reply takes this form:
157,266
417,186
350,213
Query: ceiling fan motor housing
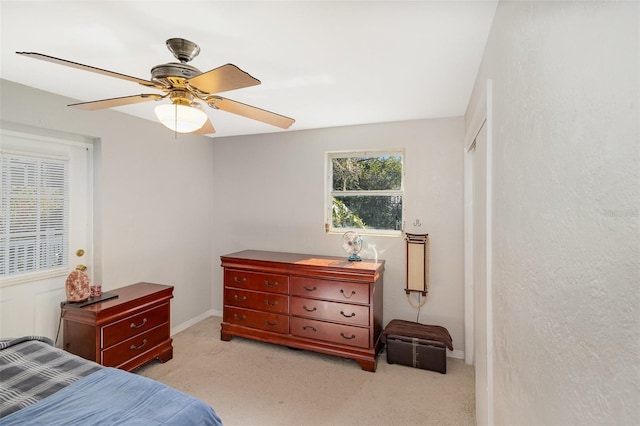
173,73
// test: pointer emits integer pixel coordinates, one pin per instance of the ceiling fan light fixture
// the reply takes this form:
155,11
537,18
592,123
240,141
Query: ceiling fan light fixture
180,118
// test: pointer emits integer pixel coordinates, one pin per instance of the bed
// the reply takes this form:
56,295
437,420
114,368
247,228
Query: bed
44,385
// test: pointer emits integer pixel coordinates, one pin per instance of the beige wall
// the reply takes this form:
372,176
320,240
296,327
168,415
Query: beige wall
269,193
566,195
153,198
166,209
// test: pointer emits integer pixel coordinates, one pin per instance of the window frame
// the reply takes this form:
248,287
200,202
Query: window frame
78,151
330,193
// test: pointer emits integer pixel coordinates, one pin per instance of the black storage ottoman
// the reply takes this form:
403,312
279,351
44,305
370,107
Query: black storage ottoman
417,345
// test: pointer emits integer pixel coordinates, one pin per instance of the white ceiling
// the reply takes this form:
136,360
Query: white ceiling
324,63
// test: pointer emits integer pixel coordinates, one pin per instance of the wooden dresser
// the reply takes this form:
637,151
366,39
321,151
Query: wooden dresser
318,303
125,332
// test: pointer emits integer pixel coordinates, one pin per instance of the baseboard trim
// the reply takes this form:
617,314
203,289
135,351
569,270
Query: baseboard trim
183,326
458,354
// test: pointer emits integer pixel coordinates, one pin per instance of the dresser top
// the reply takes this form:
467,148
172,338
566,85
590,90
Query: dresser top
129,297
307,260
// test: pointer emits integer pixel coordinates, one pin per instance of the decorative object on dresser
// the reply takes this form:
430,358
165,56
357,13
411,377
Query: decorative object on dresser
124,332
318,303
78,283
77,286
352,244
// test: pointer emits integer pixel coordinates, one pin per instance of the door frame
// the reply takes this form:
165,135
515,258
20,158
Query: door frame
482,116
34,300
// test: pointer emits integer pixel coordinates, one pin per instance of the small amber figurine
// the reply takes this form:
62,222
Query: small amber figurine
78,285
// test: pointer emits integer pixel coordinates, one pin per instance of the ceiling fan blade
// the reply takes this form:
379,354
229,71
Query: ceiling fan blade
221,79
116,102
87,68
207,129
252,112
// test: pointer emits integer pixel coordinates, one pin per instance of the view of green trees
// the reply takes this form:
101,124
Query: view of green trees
353,207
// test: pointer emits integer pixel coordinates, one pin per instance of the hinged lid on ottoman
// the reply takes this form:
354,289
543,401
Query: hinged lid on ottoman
417,345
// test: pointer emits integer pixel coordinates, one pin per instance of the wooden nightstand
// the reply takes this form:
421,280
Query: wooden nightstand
126,332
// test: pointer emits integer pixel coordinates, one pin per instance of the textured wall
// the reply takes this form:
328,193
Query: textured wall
565,211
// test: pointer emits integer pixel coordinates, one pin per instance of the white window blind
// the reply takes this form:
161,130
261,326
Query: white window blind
34,216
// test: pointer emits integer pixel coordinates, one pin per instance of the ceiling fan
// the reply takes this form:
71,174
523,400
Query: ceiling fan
185,86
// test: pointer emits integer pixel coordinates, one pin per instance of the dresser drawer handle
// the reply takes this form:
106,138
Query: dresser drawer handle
238,317
268,284
353,336
266,302
353,314
347,297
144,342
239,299
144,321
239,280
309,310
271,323
308,327
310,289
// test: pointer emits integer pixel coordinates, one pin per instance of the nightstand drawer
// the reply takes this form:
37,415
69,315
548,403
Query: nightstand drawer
133,325
257,300
256,281
105,331
135,346
332,311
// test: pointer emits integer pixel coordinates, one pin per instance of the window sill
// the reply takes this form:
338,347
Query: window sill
30,277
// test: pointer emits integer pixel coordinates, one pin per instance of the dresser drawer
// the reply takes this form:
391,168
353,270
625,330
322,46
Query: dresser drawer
134,324
341,291
258,300
332,311
256,281
256,319
135,346
335,333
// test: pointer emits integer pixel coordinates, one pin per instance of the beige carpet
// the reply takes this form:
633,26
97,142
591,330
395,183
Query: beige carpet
254,383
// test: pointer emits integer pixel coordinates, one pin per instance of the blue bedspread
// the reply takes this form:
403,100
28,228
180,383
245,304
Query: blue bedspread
114,397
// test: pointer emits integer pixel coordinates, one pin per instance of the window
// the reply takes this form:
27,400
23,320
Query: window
34,214
365,192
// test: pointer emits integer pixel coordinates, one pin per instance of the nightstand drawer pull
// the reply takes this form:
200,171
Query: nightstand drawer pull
268,284
309,310
314,288
266,302
144,342
353,314
238,317
239,299
308,327
353,336
144,321
239,280
348,297
271,323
